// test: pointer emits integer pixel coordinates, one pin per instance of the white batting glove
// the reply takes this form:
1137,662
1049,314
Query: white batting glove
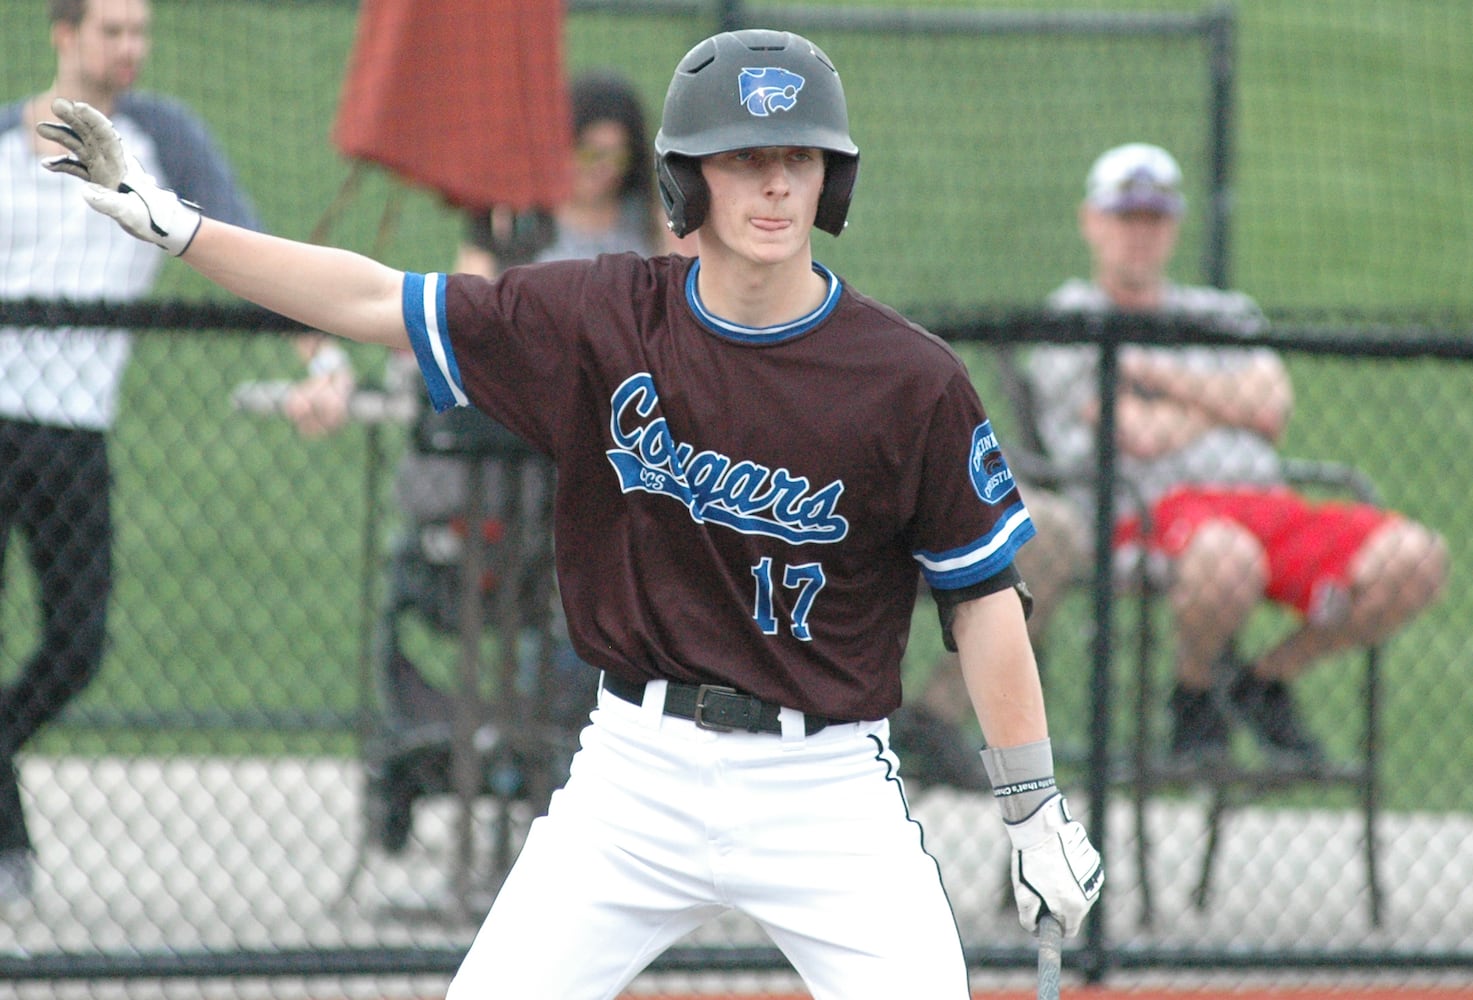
117,184
1055,867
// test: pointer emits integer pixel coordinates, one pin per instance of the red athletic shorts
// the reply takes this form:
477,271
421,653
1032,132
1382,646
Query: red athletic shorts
1309,543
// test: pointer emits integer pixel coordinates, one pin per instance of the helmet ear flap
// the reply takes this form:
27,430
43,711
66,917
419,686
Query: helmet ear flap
686,198
683,191
840,173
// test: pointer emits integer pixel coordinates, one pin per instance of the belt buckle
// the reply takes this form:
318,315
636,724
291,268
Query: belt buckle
700,715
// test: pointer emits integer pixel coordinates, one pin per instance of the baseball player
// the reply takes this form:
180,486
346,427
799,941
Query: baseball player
753,458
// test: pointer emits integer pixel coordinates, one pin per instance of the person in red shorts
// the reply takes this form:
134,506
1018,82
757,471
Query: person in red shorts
1197,433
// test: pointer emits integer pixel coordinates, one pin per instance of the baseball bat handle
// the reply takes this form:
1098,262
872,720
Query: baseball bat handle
1050,956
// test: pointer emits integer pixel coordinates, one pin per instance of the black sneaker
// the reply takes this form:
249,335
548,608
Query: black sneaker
1267,707
1199,729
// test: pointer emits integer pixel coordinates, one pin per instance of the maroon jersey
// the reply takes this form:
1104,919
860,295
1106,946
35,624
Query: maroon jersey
735,506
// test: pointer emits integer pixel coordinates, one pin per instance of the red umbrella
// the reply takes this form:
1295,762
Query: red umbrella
465,97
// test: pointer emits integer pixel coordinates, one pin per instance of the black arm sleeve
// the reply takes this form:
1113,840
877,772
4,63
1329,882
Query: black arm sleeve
947,600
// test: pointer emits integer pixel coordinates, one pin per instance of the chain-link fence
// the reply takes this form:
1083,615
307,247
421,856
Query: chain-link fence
220,809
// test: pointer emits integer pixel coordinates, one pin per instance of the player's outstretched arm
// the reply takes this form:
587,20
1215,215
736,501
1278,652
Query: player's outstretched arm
329,289
1055,868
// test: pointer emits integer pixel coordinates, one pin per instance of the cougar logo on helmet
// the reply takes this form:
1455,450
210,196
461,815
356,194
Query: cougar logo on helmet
768,89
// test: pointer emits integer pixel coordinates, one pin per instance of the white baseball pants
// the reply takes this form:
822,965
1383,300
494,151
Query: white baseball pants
663,825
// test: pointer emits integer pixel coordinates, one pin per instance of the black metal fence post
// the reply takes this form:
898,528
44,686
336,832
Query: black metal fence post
1222,67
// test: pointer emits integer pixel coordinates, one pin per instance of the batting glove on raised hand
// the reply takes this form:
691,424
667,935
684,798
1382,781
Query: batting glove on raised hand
117,184
1055,868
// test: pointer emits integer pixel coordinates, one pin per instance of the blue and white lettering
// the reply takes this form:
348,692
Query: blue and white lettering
743,495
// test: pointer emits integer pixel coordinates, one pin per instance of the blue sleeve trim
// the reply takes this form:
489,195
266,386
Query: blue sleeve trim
988,556
424,318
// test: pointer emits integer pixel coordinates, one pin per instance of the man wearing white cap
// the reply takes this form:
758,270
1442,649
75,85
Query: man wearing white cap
1197,433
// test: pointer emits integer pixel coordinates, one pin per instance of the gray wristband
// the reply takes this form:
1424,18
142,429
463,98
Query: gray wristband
1022,777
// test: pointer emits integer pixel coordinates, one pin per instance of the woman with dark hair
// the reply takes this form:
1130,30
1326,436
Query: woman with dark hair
604,96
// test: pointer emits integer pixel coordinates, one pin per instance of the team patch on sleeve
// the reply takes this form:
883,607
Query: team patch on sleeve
991,477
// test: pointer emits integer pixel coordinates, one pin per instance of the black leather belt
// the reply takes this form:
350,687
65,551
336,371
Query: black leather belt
710,706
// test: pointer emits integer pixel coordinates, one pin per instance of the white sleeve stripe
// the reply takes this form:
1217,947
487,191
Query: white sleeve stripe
433,288
998,539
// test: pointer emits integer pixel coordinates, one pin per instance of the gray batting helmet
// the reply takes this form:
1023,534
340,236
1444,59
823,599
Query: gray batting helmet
745,90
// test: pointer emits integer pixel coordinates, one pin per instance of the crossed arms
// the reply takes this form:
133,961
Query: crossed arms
1163,406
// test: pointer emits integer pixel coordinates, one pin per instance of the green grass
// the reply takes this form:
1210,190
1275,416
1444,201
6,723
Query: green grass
240,581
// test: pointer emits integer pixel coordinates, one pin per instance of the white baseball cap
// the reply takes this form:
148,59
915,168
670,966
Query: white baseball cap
1136,177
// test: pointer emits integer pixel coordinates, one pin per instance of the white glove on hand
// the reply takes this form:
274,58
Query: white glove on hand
1055,867
118,186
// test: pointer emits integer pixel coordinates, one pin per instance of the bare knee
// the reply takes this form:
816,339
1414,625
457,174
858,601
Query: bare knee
1223,571
1403,566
